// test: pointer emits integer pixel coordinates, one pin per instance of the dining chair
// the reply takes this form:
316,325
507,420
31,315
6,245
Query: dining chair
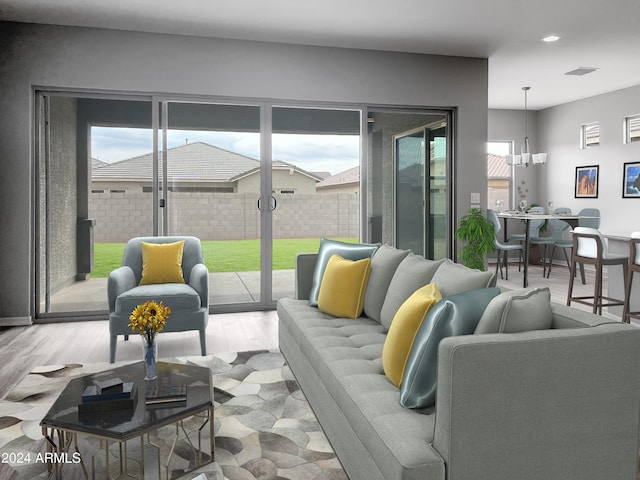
534,236
634,266
590,247
559,229
589,222
502,247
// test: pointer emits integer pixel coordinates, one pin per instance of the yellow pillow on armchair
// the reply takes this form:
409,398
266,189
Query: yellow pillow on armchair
343,287
162,263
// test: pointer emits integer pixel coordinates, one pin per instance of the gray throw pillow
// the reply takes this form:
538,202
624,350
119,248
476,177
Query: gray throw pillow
452,278
383,265
517,311
413,273
455,315
349,251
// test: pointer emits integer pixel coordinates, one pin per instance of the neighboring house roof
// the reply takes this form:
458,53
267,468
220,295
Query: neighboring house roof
95,163
193,161
350,176
497,166
278,165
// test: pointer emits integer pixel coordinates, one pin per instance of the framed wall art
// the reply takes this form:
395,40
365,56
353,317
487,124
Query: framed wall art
587,181
631,180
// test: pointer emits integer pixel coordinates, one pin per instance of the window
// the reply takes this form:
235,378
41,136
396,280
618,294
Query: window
632,129
589,135
498,176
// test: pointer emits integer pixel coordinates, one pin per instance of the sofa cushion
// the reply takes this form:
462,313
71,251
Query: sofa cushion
412,273
455,315
517,311
453,278
177,296
383,265
404,327
351,251
343,286
162,262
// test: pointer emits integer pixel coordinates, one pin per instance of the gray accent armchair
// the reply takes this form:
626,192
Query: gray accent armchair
189,302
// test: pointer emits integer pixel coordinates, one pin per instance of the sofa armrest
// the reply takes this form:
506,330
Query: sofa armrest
542,404
199,280
305,265
120,280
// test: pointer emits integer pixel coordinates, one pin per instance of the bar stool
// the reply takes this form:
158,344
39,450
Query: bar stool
590,247
634,266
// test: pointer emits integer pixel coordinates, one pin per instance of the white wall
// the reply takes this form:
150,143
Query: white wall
559,129
118,61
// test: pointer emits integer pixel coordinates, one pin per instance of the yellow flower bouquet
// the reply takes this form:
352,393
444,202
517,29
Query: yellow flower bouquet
148,319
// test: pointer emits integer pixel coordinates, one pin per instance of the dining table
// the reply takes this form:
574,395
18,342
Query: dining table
526,217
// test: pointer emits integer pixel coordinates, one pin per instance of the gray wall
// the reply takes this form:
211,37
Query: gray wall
94,59
559,129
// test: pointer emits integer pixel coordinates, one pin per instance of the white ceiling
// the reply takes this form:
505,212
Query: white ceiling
594,33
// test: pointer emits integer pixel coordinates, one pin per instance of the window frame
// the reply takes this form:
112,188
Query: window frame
627,129
585,135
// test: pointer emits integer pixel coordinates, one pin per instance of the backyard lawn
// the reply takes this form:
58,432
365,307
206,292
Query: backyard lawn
221,255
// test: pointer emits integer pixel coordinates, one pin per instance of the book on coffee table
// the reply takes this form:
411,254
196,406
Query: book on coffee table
111,403
94,393
165,394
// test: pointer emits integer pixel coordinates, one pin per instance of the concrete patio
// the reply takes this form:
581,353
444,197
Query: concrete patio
224,288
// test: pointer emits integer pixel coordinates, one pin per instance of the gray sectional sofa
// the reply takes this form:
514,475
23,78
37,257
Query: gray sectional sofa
561,403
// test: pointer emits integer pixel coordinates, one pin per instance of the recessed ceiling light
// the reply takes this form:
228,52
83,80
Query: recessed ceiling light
551,38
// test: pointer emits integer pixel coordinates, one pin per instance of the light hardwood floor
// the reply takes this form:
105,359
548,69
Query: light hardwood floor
22,348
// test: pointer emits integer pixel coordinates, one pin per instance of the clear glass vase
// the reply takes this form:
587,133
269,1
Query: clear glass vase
150,359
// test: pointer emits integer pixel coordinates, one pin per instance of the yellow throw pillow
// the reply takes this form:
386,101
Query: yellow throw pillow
162,262
403,330
343,287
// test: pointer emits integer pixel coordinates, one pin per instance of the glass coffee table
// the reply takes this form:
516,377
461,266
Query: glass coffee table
63,423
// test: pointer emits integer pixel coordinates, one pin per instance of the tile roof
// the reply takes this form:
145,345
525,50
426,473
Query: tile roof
193,161
350,176
497,166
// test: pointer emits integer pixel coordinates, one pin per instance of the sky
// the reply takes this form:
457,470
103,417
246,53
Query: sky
315,153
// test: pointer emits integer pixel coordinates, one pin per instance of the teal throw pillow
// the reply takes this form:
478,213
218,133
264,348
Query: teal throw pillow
348,251
454,315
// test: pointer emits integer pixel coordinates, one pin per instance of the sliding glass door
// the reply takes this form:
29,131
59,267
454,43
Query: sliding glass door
210,169
257,182
411,207
315,184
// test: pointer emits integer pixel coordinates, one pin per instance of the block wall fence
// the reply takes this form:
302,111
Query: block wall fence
225,216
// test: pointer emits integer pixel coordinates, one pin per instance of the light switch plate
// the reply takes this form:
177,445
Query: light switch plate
475,198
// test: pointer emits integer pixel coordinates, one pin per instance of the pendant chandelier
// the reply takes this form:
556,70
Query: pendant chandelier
526,157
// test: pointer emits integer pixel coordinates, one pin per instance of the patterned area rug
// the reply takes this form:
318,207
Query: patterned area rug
264,427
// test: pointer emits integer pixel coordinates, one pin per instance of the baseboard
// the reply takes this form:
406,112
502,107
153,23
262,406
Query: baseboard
15,321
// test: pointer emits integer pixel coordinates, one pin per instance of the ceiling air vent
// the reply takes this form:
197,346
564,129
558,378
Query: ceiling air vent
582,71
